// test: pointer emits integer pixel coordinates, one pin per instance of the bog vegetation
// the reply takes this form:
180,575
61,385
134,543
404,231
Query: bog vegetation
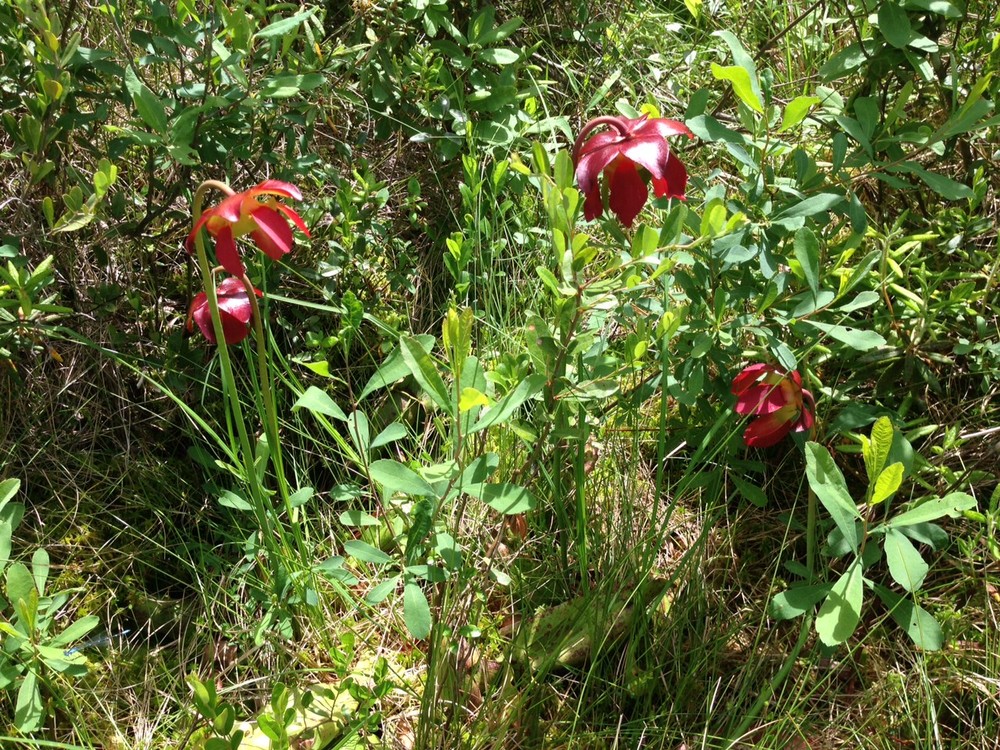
438,374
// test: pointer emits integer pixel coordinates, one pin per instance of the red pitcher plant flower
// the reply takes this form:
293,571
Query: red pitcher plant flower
629,143
235,311
776,400
253,212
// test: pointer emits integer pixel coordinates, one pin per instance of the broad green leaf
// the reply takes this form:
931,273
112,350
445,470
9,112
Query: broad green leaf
798,600
40,569
360,432
796,111
861,301
29,713
76,631
941,7
425,372
229,499
393,369
395,477
20,584
301,496
879,447
946,187
378,593
148,105
906,566
894,24
826,480
365,552
471,398
846,61
856,338
8,488
358,518
887,483
502,497
810,206
505,407
918,623
319,402
390,434
949,505
740,56
499,56
806,247
841,611
284,26
416,611
742,85
282,87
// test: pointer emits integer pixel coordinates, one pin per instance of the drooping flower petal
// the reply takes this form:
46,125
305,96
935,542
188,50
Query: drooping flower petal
226,252
627,192
769,429
674,183
273,234
242,214
776,401
639,141
235,312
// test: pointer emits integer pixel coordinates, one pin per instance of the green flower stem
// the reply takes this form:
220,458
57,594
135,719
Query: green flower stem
614,122
271,421
258,494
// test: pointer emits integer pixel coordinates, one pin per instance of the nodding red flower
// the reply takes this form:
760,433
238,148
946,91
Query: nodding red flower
243,214
617,152
234,310
778,401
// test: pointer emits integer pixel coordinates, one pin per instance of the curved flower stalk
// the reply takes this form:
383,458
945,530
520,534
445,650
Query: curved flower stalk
618,152
776,400
242,214
235,311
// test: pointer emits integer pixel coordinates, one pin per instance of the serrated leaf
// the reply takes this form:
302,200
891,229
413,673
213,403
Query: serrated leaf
887,483
906,566
841,611
416,611
827,481
395,477
318,401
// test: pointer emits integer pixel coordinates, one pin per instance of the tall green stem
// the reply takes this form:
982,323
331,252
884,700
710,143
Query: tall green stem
258,494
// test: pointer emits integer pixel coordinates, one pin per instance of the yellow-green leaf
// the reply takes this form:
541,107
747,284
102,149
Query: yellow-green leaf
742,84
